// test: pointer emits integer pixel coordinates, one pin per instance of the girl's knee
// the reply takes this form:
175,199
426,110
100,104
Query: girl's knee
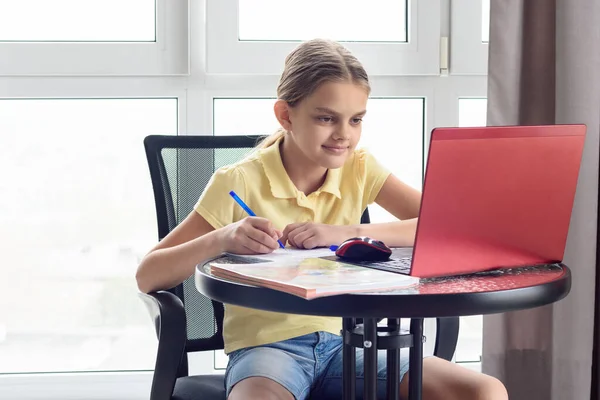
490,388
258,388
446,380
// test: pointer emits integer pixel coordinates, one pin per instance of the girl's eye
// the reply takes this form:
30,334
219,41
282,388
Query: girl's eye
325,119
356,121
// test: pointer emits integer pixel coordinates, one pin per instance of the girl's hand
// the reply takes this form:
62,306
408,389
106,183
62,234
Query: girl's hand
252,235
308,235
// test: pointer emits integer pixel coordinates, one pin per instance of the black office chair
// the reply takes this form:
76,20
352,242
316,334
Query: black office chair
185,320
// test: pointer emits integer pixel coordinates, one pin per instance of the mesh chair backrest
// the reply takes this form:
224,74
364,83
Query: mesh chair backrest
180,168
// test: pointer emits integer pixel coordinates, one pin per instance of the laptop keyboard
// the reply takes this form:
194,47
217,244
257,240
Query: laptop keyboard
396,265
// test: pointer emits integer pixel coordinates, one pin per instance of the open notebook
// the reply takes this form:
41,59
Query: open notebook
306,273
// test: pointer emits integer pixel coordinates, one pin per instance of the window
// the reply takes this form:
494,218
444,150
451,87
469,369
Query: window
392,38
253,116
394,132
485,21
333,19
81,216
471,112
93,37
470,24
76,20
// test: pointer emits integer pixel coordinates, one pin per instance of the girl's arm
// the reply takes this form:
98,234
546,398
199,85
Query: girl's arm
403,202
173,260
393,234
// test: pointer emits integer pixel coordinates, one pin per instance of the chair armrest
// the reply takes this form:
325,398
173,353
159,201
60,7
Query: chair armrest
446,337
168,314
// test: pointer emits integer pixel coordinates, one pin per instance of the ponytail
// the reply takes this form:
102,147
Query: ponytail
271,139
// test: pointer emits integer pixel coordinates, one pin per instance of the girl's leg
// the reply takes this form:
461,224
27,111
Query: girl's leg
277,371
259,388
443,380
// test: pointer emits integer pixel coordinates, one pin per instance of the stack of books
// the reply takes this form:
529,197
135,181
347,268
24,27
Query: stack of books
307,273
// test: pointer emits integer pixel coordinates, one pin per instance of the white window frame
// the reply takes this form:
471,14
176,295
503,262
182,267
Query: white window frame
419,56
168,55
469,52
75,386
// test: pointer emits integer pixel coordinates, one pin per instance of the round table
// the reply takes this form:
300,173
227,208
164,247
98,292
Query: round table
480,293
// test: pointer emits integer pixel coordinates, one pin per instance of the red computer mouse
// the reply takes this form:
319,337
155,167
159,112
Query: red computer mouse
363,249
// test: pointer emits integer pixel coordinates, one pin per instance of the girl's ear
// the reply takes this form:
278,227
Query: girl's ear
282,113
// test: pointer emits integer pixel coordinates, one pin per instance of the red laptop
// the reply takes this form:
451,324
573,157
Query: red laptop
496,197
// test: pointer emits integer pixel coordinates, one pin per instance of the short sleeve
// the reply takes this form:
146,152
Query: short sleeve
373,175
215,204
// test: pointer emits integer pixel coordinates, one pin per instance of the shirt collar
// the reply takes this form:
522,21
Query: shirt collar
282,186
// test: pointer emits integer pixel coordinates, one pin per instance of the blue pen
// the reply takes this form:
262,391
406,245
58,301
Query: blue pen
249,211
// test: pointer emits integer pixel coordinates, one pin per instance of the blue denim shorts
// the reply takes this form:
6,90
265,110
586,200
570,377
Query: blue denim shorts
307,366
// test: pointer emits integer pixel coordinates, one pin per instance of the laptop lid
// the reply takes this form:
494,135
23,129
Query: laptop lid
496,197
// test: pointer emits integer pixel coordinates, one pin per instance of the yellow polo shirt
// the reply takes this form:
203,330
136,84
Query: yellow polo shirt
262,182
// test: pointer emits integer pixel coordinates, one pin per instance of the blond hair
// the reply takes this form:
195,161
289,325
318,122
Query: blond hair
310,65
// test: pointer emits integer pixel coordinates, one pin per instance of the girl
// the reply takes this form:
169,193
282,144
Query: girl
312,186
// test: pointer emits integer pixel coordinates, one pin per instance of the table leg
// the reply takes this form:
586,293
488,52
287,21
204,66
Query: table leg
415,366
348,361
370,358
393,365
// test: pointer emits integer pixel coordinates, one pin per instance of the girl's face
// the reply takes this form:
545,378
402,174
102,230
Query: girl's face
326,126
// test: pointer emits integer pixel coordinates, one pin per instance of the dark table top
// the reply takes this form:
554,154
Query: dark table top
481,293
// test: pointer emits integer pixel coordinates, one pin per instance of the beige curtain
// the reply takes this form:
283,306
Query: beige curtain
544,68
